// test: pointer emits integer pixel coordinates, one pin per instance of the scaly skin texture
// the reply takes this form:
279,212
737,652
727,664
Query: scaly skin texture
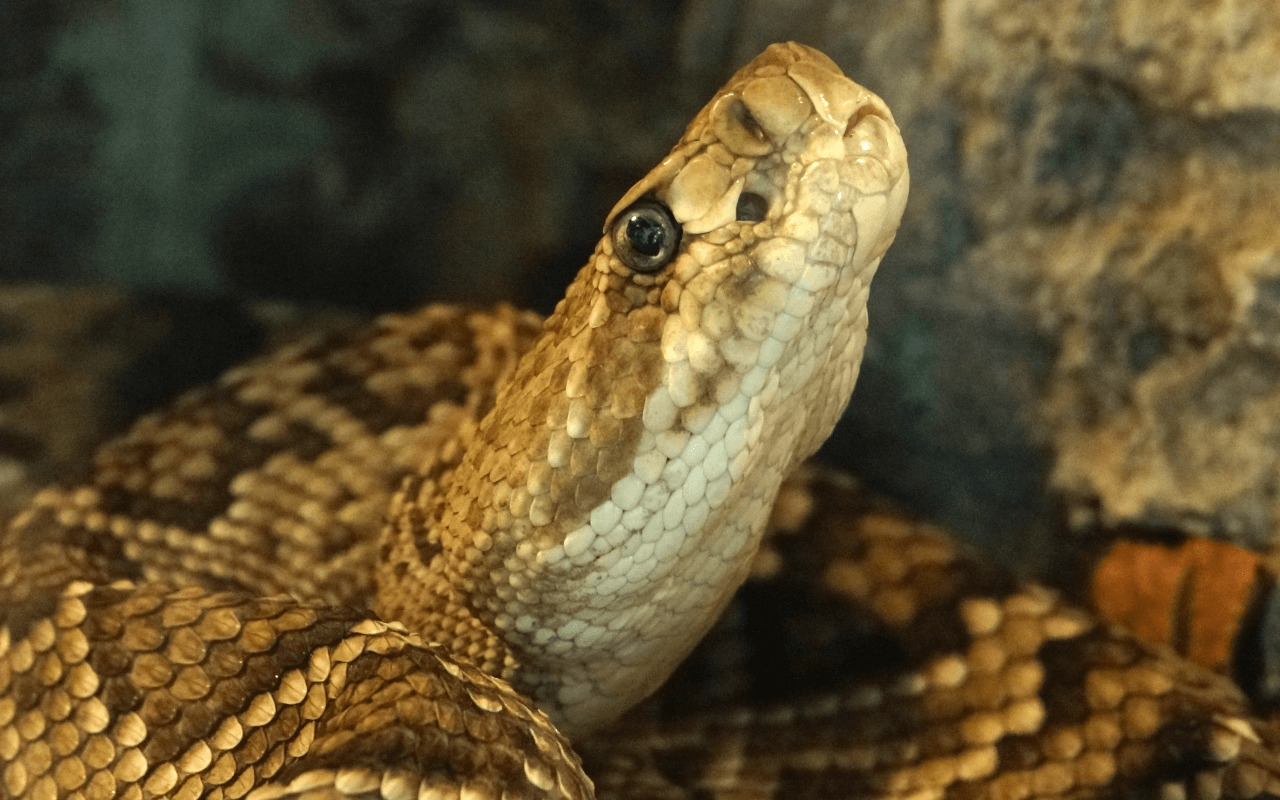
195,620
580,503
184,625
923,672
599,519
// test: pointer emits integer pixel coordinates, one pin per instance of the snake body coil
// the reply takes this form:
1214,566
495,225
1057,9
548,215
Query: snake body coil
409,563
179,625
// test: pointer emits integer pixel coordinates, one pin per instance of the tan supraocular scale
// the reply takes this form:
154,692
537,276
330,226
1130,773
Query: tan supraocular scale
573,531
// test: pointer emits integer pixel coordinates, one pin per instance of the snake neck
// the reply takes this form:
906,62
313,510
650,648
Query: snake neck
581,537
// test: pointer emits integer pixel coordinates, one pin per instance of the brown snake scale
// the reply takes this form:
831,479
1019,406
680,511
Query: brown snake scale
395,564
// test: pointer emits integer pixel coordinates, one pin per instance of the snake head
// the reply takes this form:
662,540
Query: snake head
621,484
782,195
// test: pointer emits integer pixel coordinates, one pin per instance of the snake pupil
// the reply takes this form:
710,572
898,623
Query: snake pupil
645,234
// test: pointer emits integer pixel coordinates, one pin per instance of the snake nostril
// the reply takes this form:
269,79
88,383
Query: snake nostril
752,207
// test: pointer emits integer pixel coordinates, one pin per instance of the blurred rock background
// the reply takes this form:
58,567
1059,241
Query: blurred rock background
1077,332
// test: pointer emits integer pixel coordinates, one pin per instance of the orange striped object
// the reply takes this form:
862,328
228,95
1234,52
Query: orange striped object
1193,597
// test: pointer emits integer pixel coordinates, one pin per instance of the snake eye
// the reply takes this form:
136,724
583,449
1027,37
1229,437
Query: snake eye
646,236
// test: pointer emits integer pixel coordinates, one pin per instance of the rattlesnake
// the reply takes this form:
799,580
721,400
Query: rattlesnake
569,506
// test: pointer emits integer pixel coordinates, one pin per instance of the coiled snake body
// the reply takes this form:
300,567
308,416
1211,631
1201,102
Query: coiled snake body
410,563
